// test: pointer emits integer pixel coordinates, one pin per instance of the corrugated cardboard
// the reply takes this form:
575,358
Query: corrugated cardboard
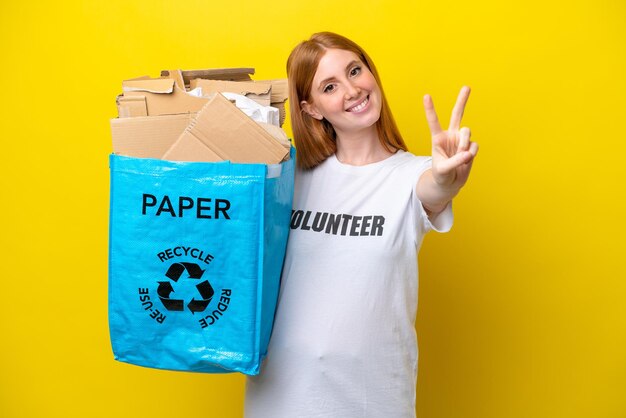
277,133
154,112
131,106
148,137
189,148
162,97
280,89
152,85
260,92
145,96
177,76
227,74
228,133
280,93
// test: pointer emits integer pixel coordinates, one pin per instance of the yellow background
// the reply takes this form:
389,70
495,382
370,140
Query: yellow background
522,306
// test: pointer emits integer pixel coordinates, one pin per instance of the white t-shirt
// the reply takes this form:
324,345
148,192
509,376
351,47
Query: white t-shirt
344,343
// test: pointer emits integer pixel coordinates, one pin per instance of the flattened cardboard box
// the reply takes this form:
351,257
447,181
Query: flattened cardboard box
222,132
148,136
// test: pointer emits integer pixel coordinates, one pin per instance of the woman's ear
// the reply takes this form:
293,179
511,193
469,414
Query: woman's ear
311,110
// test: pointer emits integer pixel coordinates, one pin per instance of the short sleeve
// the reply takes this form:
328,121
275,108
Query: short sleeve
442,222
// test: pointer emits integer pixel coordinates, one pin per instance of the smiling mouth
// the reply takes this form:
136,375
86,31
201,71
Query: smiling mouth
358,107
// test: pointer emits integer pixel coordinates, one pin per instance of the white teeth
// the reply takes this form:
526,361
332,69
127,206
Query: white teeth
360,106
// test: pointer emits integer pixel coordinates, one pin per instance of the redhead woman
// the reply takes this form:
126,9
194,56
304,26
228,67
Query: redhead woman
344,343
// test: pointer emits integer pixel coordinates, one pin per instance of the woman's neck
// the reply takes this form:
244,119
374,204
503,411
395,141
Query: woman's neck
360,148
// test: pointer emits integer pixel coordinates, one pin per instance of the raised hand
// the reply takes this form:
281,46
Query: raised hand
452,150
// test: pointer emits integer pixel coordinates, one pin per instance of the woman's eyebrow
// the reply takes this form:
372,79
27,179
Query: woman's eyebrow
326,80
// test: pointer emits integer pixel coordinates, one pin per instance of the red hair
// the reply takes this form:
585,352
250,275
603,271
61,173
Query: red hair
315,139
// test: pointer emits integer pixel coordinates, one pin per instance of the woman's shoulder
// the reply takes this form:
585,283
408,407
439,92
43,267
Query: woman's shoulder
407,158
401,162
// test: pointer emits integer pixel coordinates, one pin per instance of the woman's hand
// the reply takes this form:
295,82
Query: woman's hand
453,152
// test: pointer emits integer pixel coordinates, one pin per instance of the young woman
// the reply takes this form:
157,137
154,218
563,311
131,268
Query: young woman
344,342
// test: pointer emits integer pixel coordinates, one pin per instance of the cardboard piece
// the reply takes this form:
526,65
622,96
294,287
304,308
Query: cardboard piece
260,92
280,93
228,133
145,96
147,137
280,89
189,148
131,106
152,85
177,76
162,97
277,133
227,74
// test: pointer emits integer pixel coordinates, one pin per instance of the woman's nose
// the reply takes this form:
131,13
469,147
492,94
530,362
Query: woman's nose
352,91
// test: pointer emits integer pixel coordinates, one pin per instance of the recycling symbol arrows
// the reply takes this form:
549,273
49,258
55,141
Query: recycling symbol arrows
174,272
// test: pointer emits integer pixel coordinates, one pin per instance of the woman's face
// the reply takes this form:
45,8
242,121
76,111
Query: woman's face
345,93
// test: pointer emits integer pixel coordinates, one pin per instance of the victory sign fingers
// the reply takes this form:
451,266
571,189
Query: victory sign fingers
431,115
459,108
453,151
457,112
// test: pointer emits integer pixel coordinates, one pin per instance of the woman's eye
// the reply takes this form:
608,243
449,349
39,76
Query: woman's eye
329,88
355,71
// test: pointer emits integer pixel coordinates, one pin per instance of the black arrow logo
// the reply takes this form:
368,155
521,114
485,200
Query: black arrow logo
206,291
164,290
198,305
176,270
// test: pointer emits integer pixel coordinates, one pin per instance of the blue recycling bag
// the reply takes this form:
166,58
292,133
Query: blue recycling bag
195,257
